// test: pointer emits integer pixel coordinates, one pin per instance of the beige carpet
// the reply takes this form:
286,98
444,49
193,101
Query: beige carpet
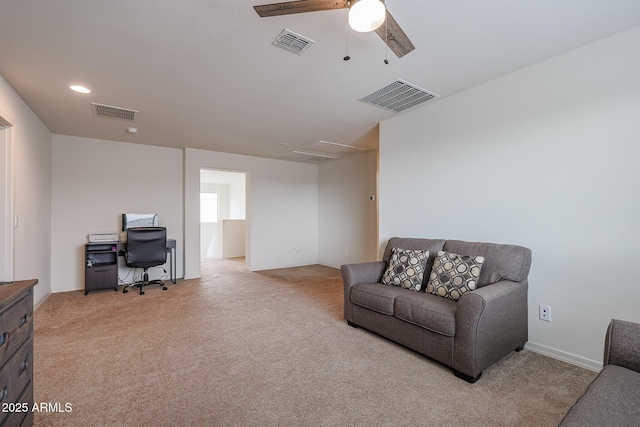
263,349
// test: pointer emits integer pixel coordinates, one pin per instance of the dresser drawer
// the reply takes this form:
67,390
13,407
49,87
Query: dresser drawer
15,375
16,325
23,417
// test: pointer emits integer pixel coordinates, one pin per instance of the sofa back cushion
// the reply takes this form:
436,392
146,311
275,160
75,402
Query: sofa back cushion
431,245
502,262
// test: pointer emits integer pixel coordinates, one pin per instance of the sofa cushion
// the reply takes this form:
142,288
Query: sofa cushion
431,245
406,268
611,400
502,262
427,311
375,296
453,275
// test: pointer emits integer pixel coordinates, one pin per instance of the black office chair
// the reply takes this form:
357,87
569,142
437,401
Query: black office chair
146,247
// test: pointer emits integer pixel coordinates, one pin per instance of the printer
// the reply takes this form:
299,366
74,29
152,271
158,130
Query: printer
103,238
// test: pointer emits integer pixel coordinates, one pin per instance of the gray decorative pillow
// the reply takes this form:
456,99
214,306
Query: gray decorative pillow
453,275
406,268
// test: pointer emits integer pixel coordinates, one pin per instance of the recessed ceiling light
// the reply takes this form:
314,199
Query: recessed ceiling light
80,89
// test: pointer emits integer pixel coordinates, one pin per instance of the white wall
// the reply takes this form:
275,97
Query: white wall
234,238
94,182
31,148
211,233
347,218
545,157
238,198
282,209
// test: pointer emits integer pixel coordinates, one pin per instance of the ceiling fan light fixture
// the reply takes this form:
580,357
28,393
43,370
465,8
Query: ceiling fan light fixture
367,15
79,89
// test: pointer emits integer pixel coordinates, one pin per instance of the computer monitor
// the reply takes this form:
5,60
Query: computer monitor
130,220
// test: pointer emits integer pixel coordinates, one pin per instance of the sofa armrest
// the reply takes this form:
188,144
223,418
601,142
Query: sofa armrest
364,272
622,345
491,322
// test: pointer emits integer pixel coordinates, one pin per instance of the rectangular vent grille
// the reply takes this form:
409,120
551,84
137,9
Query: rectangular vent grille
110,112
398,96
288,40
332,147
300,156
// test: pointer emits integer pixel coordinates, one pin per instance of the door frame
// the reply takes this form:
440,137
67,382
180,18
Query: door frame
6,198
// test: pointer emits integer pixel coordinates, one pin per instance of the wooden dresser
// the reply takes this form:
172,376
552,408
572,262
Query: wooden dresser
16,353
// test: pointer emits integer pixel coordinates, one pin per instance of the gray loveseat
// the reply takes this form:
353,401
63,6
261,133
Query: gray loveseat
613,398
469,334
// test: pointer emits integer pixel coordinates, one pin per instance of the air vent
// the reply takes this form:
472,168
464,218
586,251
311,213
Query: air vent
100,110
399,96
288,40
300,156
332,147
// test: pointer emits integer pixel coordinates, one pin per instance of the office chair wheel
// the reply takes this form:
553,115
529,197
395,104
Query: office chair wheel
164,288
141,292
125,290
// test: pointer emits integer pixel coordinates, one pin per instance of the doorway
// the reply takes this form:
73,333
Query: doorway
6,201
223,207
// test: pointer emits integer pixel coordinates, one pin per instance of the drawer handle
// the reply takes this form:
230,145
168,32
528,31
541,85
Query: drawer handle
4,393
3,339
24,319
101,271
23,366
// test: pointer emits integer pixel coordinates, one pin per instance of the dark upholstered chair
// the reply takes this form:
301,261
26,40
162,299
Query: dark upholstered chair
613,398
146,248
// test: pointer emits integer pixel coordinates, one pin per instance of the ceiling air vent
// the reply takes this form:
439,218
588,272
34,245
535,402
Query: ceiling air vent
288,40
100,110
398,96
300,156
332,147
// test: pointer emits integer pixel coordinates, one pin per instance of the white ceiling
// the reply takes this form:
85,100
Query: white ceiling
204,74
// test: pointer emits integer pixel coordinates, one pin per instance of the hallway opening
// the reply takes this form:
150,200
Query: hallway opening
223,206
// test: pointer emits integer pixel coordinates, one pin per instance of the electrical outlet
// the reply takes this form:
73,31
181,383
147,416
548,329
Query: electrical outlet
545,313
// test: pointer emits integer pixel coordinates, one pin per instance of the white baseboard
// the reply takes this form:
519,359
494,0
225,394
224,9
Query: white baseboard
337,267
39,303
572,359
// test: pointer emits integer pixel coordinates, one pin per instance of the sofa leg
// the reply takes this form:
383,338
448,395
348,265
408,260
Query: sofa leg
353,325
519,349
467,378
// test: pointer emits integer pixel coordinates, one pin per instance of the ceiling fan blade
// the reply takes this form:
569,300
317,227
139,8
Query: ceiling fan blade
391,33
299,6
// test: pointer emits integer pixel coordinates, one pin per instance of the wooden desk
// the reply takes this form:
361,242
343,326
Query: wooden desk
101,264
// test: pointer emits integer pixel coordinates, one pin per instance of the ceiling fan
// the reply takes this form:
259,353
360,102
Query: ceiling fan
390,32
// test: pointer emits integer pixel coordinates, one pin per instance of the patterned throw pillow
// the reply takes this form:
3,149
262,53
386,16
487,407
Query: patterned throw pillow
453,275
406,268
